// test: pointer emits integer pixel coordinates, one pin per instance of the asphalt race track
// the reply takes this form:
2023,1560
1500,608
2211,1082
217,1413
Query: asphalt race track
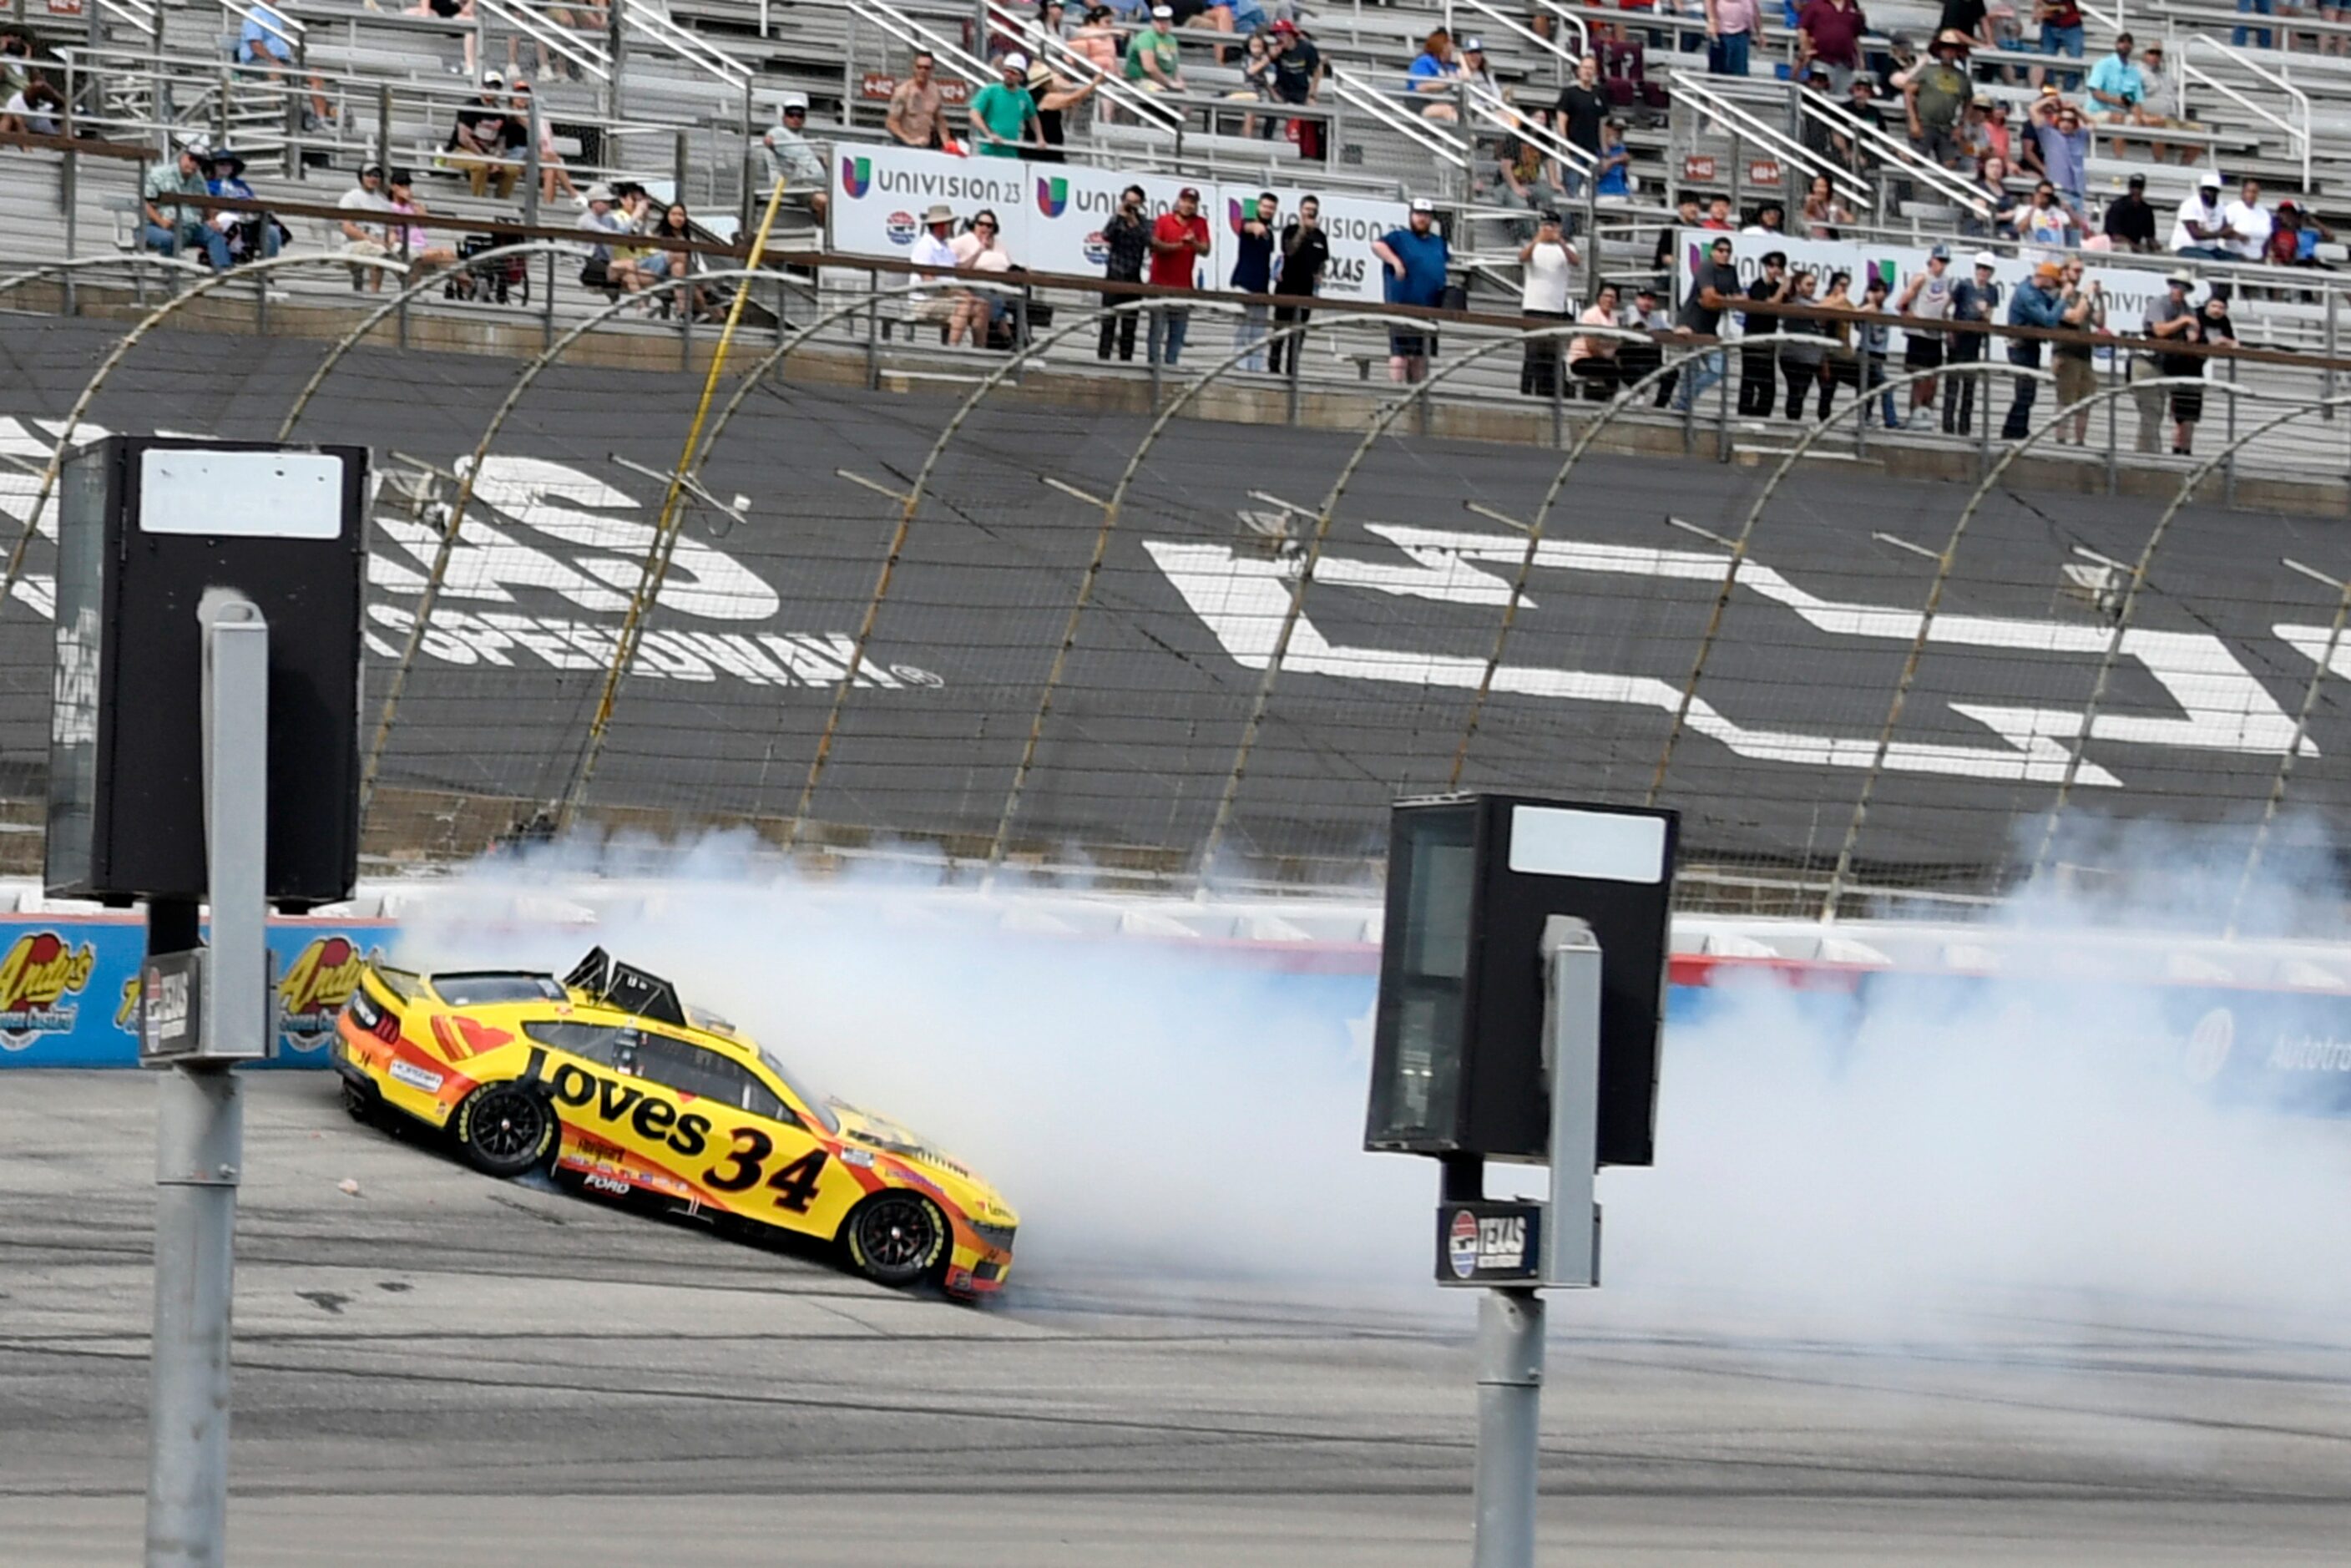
442,1369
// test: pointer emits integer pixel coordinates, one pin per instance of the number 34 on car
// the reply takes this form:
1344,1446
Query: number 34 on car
607,1077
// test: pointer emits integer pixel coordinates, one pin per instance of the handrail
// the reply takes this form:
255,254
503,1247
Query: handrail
1900,154
586,56
1550,143
1780,145
284,26
1582,33
2296,135
1409,126
138,12
685,44
1567,58
908,31
1110,87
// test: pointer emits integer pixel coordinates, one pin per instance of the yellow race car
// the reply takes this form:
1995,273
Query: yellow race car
606,1078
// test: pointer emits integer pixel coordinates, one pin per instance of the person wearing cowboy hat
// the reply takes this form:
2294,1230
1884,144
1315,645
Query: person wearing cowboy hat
1935,94
243,230
1003,115
1056,97
933,254
792,158
179,228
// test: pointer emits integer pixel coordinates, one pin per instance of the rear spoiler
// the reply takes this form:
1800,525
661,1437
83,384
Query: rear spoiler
405,984
627,987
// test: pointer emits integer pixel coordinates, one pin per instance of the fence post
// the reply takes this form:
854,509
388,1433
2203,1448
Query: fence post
683,298
2117,375
2229,462
615,41
69,184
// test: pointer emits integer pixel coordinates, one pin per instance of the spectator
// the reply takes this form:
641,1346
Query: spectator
1582,107
1415,258
1729,34
1155,60
1523,180
1971,19
177,229
267,40
1056,98
1998,132
1305,252
1843,365
2159,97
1592,358
2169,318
917,114
1973,299
1253,274
1824,214
1126,243
1875,335
1771,221
601,269
1801,352
2130,221
1097,39
2037,304
1686,216
1925,298
1178,240
1639,360
792,158
1992,187
1544,263
35,108
1829,34
1434,72
2187,402
1758,362
1257,81
2061,34
1298,79
2248,224
2119,90
1974,135
2083,307
2199,229
1475,72
410,238
1718,214
16,67
552,172
1711,291
980,248
1614,176
2064,143
671,257
2237,36
452,11
1935,94
936,258
483,139
246,233
2048,223
1003,115
354,235
2296,239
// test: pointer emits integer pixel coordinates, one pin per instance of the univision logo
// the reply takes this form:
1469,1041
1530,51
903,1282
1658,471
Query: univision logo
1052,196
1233,213
856,176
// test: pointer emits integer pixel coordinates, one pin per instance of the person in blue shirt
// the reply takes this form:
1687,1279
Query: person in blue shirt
1615,165
1436,71
266,39
2036,303
1415,258
1253,274
245,232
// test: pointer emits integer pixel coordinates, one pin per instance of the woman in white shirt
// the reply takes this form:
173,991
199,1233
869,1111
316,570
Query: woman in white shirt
980,248
1545,260
1592,360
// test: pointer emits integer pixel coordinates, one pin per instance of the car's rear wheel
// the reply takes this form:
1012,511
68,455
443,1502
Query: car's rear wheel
361,1102
896,1238
505,1130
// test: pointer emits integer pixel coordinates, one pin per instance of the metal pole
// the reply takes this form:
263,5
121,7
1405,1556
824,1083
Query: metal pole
682,302
200,1119
615,40
1510,1410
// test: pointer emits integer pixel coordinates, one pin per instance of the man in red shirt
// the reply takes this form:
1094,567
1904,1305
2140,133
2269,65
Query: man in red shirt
1829,33
1178,240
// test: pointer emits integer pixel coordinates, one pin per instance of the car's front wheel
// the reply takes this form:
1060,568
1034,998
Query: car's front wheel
896,1238
505,1130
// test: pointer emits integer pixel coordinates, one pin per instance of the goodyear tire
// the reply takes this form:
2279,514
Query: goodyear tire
361,1102
505,1130
896,1238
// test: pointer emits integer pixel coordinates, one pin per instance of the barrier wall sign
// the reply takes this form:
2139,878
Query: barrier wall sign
1764,171
1698,168
1052,215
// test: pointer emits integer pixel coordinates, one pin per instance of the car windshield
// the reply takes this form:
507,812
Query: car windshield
800,1091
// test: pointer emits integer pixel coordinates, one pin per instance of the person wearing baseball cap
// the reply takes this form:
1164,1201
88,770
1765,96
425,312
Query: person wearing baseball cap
1297,77
1926,296
2199,229
1415,258
354,236
1155,60
1179,240
2130,221
1973,299
792,158
2036,303
1003,115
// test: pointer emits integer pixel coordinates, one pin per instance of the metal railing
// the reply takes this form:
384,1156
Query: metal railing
1043,46
557,40
2297,129
1410,127
643,16
1786,149
1903,161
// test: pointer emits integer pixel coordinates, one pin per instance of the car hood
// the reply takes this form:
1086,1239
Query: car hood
864,1129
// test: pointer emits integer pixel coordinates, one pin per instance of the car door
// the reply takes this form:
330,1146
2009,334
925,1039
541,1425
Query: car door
762,1162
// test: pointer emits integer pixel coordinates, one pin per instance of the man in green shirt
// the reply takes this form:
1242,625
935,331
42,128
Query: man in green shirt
1155,60
177,230
1003,115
